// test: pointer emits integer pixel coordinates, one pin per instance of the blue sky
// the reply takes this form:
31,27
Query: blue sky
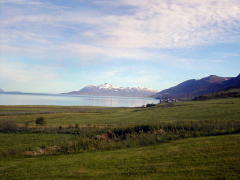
59,46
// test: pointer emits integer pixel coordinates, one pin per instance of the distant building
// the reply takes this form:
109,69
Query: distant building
168,100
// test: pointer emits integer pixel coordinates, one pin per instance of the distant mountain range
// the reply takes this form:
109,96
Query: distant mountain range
193,88
26,93
186,90
110,90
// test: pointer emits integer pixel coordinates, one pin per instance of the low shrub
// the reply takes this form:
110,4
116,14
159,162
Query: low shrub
150,105
8,126
40,121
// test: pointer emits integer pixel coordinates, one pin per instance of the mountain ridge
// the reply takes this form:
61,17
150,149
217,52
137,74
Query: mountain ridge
107,89
196,87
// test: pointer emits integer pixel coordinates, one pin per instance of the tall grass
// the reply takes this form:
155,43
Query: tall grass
146,135
95,139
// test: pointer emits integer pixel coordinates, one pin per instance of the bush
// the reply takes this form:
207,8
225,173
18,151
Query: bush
40,121
8,126
150,105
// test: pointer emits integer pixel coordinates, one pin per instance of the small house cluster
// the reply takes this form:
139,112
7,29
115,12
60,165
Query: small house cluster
163,100
168,100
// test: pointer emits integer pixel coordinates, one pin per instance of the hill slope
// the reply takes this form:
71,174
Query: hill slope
193,88
231,93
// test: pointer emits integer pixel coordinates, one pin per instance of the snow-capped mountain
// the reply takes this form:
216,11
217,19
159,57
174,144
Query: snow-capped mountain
110,90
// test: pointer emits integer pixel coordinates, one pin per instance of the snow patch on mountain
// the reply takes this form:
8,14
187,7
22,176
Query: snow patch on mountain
107,89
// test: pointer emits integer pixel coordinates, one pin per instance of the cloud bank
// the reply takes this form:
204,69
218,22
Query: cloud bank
148,25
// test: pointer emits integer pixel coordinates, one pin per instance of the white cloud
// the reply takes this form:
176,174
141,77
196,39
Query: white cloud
92,51
22,2
21,76
152,24
174,24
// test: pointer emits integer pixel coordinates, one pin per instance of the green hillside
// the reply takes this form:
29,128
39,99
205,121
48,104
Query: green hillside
231,93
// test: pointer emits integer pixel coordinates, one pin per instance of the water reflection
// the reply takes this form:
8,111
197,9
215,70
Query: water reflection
19,99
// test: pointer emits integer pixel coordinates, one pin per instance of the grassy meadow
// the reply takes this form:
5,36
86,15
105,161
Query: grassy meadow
194,158
183,140
212,110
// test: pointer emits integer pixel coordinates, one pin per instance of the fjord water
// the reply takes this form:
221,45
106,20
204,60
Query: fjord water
63,100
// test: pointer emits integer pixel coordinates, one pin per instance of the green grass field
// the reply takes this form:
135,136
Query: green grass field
184,140
195,158
212,110
14,143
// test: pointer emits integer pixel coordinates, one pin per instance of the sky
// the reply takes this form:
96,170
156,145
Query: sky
55,46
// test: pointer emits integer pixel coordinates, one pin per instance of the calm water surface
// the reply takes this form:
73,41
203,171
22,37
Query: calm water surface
63,100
